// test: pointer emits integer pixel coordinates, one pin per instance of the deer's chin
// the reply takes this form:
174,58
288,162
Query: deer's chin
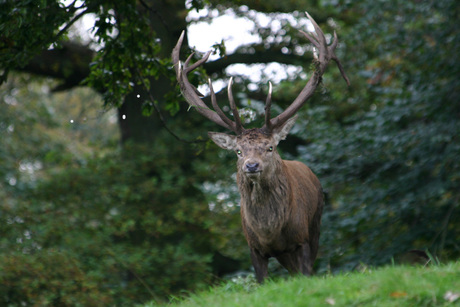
254,176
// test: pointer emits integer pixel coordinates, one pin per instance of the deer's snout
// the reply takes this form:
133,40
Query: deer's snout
252,167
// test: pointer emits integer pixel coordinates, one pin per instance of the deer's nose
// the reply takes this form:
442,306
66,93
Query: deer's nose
252,167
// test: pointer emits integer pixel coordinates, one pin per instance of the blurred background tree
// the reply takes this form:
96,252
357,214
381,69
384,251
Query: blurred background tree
103,204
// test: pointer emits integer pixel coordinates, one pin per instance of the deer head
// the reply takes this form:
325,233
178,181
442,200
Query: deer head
258,159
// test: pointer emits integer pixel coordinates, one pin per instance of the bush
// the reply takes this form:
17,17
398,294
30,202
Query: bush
48,278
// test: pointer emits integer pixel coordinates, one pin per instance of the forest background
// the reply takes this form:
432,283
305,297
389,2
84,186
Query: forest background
111,194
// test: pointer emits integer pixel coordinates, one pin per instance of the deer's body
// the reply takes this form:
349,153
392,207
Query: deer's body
281,201
282,218
281,214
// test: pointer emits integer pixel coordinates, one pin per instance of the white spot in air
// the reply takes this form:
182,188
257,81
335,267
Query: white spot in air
138,96
12,181
123,116
71,121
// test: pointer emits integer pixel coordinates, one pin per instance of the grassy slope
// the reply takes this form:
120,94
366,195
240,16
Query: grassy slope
389,286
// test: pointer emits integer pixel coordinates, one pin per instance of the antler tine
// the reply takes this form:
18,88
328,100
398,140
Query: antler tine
335,42
197,63
268,106
190,93
238,126
325,55
322,44
342,71
330,50
310,38
216,107
337,61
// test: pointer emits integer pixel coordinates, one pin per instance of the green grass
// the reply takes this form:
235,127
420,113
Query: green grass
388,286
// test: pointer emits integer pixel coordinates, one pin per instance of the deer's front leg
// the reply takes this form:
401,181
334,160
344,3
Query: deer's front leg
260,264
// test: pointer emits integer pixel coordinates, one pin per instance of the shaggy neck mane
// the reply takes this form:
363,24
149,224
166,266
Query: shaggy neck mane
267,191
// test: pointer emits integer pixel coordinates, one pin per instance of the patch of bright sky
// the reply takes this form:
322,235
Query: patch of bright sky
236,31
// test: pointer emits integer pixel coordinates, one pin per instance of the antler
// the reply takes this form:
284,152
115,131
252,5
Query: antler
326,53
193,97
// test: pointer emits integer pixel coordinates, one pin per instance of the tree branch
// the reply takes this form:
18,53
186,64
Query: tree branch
71,63
258,56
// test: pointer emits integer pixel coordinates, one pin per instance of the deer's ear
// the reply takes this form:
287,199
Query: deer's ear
223,140
281,133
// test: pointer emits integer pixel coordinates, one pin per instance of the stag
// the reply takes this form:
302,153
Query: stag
281,201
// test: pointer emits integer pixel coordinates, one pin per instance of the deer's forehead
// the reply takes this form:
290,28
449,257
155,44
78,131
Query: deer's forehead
254,139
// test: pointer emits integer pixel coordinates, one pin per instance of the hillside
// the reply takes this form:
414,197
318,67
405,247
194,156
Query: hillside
388,286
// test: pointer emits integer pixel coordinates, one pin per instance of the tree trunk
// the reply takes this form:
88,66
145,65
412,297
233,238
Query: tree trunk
167,19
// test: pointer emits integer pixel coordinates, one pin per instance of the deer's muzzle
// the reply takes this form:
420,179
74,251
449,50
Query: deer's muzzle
252,168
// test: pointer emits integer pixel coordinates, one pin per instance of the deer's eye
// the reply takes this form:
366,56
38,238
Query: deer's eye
270,149
239,152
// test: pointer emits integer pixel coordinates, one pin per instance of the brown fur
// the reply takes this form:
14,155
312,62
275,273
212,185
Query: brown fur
281,202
